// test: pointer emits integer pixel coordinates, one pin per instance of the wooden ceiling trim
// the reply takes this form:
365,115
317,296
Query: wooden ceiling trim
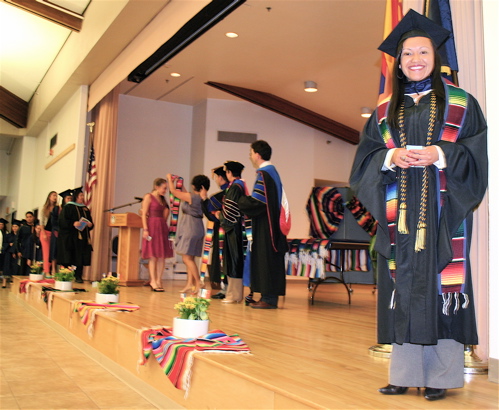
13,109
293,111
66,19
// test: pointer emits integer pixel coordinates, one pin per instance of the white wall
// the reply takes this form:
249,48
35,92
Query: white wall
28,180
154,138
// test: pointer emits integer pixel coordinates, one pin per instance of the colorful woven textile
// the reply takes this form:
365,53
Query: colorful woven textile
175,208
24,284
175,355
88,308
310,258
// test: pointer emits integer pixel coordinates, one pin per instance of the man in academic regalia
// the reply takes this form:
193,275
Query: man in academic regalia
232,222
74,247
211,206
269,245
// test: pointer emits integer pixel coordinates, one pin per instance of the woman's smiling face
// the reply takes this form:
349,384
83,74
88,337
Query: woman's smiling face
417,58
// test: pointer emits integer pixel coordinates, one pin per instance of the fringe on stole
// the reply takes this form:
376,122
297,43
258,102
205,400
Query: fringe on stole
447,299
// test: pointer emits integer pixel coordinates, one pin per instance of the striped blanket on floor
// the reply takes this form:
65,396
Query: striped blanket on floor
88,308
175,355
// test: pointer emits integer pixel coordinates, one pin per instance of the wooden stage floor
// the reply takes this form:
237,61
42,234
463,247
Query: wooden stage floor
302,357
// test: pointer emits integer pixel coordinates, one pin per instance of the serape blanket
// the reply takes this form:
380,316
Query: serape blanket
48,295
88,308
175,355
25,283
310,258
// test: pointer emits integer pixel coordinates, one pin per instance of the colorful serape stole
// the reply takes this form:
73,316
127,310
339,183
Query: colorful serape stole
453,277
25,283
325,211
363,217
175,355
175,208
205,259
88,308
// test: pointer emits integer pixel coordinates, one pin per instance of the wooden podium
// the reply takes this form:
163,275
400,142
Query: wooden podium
127,267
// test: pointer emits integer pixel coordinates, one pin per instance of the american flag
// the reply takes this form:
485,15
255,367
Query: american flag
91,178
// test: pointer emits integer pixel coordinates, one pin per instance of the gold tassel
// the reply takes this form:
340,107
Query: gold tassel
402,225
420,238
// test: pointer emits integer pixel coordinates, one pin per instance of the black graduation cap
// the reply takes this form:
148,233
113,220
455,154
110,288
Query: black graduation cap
77,191
234,166
66,193
16,222
413,25
4,221
219,171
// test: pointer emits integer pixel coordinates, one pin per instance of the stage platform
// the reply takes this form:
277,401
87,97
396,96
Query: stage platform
302,356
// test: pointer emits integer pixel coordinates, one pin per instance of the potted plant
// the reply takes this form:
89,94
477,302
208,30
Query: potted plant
36,272
193,319
108,290
64,278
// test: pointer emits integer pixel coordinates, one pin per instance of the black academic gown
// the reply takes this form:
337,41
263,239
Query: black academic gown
74,246
11,260
209,206
232,221
269,246
417,317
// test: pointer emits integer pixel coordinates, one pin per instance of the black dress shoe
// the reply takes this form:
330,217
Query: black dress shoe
219,295
392,390
79,280
434,394
262,305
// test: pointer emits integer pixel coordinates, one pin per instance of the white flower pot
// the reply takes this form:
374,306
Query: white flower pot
34,276
107,298
186,328
63,285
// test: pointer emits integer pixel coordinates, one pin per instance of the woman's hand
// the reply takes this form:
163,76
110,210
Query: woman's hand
400,158
77,224
422,157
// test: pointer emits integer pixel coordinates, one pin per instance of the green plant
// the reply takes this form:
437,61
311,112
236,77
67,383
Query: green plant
37,268
64,275
193,308
109,285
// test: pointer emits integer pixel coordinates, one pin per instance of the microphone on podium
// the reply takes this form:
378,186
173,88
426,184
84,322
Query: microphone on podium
138,199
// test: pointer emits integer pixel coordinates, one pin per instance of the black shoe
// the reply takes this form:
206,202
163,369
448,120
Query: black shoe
219,295
392,390
79,280
434,394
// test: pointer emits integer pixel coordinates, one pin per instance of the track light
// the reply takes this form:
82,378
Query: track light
366,112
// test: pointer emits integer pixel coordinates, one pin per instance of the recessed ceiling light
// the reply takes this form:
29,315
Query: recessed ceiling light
231,34
175,74
366,112
310,86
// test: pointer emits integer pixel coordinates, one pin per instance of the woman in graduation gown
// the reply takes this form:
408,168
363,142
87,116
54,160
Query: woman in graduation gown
74,247
421,169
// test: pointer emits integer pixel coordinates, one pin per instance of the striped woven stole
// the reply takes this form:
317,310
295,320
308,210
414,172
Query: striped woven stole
208,239
175,208
452,278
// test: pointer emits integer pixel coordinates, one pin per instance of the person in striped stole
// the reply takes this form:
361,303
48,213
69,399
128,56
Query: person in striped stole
268,210
421,170
232,222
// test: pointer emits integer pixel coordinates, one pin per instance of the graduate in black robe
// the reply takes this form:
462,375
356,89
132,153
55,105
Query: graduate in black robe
25,232
74,247
425,314
12,251
232,222
269,244
211,206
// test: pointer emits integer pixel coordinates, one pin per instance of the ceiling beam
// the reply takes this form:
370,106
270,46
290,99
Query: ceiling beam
291,110
13,109
56,14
